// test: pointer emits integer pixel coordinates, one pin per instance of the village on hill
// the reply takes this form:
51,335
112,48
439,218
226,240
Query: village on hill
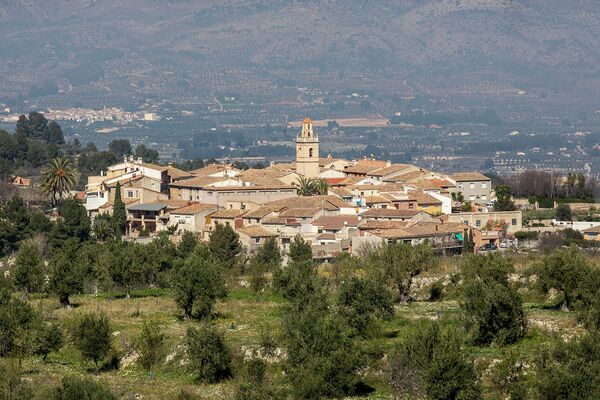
335,204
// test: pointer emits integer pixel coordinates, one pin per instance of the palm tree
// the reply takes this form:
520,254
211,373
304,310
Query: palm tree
102,229
306,186
59,177
322,186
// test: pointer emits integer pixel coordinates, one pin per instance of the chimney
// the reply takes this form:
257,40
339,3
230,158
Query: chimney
388,163
170,163
125,158
139,160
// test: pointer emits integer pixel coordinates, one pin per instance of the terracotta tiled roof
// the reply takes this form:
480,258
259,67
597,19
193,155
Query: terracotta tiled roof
469,176
376,200
420,230
389,213
326,236
227,213
261,212
390,170
299,213
330,202
336,222
255,231
155,166
382,224
425,199
212,169
194,208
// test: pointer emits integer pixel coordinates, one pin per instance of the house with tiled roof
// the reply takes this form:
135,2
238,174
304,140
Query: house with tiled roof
474,186
392,214
254,236
191,217
138,180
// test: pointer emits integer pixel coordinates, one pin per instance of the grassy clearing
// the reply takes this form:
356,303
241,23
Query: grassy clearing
246,319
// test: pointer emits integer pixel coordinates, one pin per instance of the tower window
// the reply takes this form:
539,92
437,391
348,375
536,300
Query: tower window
310,152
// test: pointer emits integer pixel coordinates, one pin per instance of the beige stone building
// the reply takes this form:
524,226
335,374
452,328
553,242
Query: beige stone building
307,151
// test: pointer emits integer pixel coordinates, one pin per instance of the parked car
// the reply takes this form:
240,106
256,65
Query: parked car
488,247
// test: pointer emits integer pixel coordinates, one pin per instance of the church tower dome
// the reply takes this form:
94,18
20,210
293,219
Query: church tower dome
307,151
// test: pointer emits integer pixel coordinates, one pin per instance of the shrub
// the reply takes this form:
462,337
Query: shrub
198,284
28,271
72,388
431,364
93,336
492,308
569,370
49,339
361,301
210,358
150,343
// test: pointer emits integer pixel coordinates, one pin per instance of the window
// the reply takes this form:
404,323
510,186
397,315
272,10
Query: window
411,205
514,222
257,240
483,197
472,197
484,185
310,152
460,186
478,223
188,220
472,185
130,193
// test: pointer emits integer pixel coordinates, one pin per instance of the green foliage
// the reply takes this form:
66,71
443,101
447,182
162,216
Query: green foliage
210,358
525,235
66,274
29,270
17,320
255,386
322,356
198,284
468,242
257,275
563,212
120,147
73,223
187,244
492,308
151,343
73,388
361,301
103,228
36,126
119,216
564,270
93,336
59,177
508,377
398,263
12,385
269,254
570,370
311,186
300,250
225,245
503,198
49,338
431,364
38,222
147,154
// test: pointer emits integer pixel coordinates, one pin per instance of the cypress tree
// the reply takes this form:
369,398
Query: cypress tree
119,215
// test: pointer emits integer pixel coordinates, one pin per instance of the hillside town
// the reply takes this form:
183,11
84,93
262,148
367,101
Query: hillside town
334,204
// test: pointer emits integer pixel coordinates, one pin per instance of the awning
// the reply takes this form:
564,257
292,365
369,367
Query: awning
459,236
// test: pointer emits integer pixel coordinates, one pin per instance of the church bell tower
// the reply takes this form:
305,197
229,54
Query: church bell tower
307,151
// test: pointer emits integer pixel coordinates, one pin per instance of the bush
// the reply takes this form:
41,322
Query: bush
151,343
72,388
49,339
436,291
210,358
28,271
93,336
570,370
12,386
198,284
492,308
431,364
361,301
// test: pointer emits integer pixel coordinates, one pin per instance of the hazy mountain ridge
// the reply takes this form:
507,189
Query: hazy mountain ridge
171,45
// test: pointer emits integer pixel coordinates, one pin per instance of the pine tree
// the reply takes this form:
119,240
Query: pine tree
225,245
119,216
